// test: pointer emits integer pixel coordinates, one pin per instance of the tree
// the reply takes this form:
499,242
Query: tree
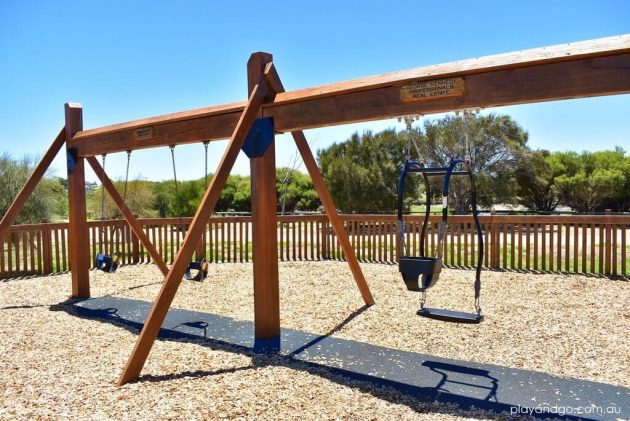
594,181
284,176
295,191
236,195
362,173
160,200
45,202
535,175
140,199
494,145
186,201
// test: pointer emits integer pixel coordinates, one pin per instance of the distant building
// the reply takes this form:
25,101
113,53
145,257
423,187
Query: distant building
89,186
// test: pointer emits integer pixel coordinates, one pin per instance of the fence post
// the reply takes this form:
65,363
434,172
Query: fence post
135,246
46,247
200,250
325,255
494,241
608,242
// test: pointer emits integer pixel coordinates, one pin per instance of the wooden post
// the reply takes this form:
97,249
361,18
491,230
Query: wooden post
324,238
135,246
264,225
46,247
494,240
78,242
200,250
608,243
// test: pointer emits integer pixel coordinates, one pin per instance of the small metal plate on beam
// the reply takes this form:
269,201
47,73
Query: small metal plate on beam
259,138
433,89
71,159
143,133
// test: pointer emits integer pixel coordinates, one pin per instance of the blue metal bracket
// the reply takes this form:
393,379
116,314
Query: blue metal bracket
259,138
71,159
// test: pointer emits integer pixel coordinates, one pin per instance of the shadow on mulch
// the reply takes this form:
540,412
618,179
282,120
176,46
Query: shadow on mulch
265,353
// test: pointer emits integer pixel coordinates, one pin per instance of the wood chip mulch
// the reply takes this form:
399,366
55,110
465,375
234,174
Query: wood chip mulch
56,365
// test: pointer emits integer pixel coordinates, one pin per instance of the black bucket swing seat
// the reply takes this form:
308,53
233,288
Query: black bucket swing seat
422,272
201,268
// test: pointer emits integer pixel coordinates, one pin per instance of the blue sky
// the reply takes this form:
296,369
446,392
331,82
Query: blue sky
130,59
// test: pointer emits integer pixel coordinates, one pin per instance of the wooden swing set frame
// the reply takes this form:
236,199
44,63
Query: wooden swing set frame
583,69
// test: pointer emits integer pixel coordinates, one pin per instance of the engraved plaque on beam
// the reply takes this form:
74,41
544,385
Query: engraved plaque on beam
433,89
144,133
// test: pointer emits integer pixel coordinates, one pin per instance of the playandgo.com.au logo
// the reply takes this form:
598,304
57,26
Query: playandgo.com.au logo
565,410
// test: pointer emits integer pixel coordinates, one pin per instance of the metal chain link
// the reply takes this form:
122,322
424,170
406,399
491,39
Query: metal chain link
103,191
175,178
466,117
174,170
127,176
205,145
102,202
408,120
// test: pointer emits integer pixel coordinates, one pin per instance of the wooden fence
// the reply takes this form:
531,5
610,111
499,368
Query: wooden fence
593,244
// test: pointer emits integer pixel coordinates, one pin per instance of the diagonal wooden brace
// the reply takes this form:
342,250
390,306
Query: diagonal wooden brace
333,216
331,210
14,210
131,220
173,279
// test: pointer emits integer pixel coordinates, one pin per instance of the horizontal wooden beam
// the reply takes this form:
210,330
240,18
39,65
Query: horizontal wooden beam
540,83
583,69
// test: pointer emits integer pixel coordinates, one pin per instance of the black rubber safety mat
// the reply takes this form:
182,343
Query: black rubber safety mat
425,377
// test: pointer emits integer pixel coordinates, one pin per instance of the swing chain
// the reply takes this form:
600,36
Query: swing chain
467,113
172,147
103,192
408,120
205,145
127,175
103,231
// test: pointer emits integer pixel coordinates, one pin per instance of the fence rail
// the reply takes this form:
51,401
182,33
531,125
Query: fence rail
591,244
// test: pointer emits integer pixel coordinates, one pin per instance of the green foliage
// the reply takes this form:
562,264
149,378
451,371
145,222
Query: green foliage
139,199
493,144
236,195
535,175
362,173
161,200
47,201
298,191
295,191
168,201
594,181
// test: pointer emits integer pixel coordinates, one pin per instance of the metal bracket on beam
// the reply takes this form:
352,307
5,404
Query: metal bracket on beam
71,159
259,138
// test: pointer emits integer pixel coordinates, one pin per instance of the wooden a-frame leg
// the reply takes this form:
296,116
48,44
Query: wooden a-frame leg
318,181
173,279
14,210
333,216
131,220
